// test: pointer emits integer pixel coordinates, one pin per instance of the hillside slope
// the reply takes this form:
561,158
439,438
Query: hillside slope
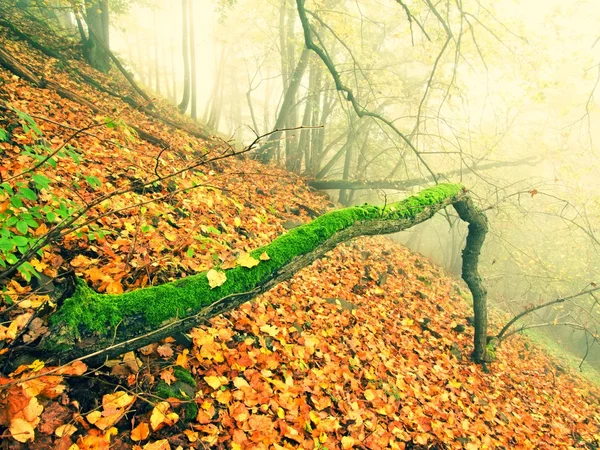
359,350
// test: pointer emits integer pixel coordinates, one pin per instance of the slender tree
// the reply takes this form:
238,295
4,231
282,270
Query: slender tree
185,101
192,57
96,43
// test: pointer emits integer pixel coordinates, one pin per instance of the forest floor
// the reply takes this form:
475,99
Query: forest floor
366,348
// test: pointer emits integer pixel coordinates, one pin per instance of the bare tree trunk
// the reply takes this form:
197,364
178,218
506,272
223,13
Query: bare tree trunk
343,197
97,43
266,153
478,227
185,101
193,57
156,60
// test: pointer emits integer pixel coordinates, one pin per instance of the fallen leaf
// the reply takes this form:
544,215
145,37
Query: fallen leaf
215,382
163,444
65,430
165,350
167,376
245,260
21,430
191,435
140,432
216,278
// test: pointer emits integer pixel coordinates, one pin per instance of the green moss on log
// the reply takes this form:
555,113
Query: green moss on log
88,313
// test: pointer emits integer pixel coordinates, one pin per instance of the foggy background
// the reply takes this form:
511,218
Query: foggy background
508,82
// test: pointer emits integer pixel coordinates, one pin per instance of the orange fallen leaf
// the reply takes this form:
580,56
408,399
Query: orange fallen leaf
140,432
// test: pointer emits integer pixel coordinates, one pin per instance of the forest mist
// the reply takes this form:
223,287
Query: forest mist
471,84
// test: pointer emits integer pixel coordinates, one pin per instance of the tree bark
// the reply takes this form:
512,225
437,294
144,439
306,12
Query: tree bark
266,152
98,42
185,101
96,326
478,227
192,59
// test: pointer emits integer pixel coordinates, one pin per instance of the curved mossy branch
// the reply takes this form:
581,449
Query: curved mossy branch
104,325
478,227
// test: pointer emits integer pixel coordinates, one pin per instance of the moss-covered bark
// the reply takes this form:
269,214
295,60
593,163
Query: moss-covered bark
102,325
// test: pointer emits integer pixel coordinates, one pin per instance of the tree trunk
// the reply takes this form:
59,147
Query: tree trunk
185,101
193,58
478,227
156,60
97,43
96,326
352,135
266,153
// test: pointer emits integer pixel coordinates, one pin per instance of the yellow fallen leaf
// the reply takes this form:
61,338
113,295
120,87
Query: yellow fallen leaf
21,430
118,400
215,278
93,417
37,365
182,358
171,237
271,330
163,444
264,257
65,430
245,260
159,416
237,222
455,384
32,411
191,435
214,381
238,382
347,442
369,394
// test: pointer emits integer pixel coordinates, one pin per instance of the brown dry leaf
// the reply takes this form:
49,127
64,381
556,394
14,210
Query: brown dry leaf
165,350
141,432
131,362
148,349
167,376
76,368
216,278
36,329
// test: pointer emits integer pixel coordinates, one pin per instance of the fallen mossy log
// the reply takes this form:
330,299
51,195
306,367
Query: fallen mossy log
96,326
